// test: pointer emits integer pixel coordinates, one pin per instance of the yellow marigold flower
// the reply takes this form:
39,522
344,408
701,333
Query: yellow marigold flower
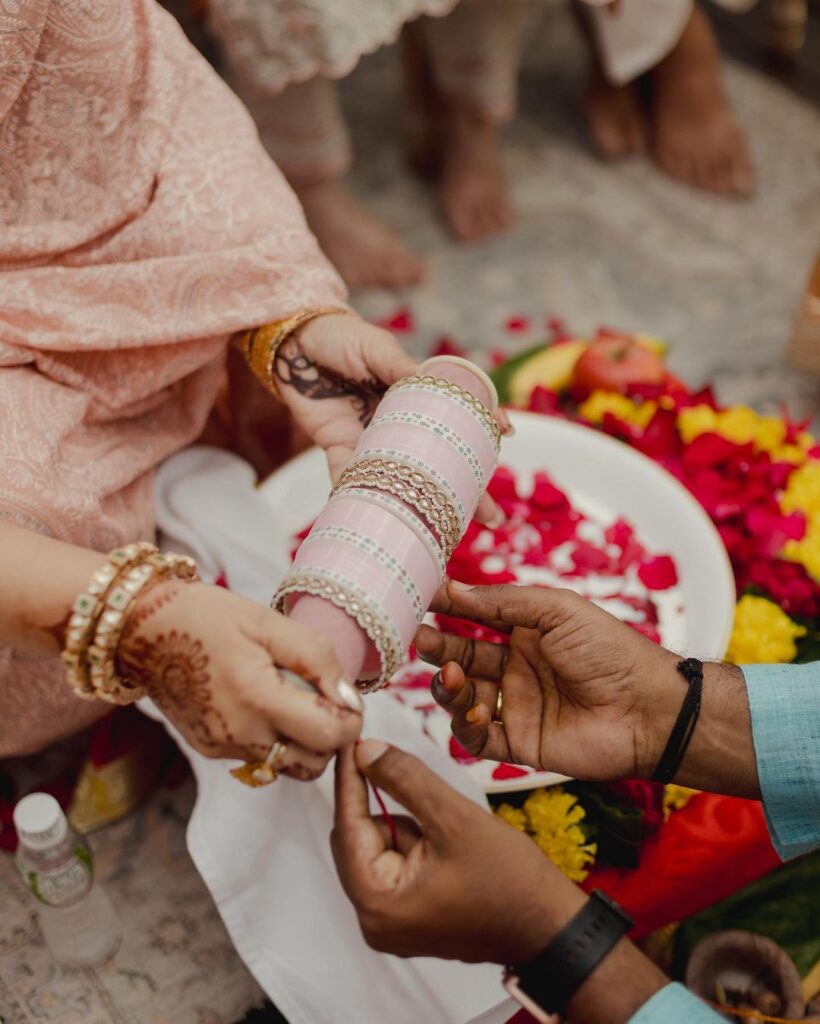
699,419
762,633
552,818
601,402
675,798
802,492
568,852
805,440
513,816
789,453
807,550
740,424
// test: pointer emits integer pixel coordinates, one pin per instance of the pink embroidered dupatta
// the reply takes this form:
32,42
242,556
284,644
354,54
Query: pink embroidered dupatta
141,224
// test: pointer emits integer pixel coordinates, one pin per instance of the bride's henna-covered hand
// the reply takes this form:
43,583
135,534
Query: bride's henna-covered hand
332,373
210,660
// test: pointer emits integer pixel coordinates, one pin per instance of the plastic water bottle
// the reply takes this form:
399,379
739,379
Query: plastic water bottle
79,924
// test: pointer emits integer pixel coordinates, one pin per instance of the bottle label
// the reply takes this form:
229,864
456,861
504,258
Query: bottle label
65,886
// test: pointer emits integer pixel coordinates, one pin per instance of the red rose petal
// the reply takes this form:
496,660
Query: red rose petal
414,681
658,573
401,322
646,629
546,495
619,533
543,401
587,558
502,484
558,330
447,347
458,753
509,771
517,324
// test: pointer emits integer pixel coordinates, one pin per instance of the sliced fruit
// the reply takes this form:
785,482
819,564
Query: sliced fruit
550,368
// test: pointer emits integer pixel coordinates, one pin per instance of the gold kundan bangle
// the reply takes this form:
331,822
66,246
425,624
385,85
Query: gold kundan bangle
100,613
107,683
86,610
260,345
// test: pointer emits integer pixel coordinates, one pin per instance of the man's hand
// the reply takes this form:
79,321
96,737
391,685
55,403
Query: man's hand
461,884
582,693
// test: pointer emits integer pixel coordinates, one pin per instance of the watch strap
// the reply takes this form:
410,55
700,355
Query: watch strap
555,975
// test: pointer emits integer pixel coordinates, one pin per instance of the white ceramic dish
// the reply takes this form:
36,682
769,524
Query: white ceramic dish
604,479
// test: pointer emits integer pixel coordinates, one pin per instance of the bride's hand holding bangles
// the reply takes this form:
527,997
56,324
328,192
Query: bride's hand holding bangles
220,667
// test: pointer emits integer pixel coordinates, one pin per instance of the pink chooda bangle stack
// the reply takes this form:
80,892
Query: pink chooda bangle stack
367,571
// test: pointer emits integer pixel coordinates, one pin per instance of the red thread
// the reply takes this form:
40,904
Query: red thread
391,825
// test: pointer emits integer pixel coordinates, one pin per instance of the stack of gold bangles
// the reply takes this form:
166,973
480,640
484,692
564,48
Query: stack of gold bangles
260,346
100,612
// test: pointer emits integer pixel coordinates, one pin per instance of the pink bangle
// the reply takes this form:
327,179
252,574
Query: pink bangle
438,406
424,448
396,509
393,542
440,430
355,602
465,374
413,486
365,572
455,394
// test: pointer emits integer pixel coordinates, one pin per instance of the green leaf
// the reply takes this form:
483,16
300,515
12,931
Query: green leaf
808,649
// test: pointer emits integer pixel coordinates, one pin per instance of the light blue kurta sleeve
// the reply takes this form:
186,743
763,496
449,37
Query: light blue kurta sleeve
675,1004
785,704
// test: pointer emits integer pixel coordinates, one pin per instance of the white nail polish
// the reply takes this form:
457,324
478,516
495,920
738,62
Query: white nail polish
349,696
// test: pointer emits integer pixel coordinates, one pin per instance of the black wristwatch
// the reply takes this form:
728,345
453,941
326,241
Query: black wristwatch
545,985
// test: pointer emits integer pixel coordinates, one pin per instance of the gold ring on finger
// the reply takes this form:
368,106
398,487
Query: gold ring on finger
262,773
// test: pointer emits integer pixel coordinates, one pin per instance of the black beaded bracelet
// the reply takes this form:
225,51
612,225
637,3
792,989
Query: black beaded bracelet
692,671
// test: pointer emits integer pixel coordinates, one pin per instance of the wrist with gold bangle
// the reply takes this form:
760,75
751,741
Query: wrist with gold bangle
261,345
100,613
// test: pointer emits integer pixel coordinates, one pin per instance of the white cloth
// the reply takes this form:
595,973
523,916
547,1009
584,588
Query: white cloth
264,854
638,34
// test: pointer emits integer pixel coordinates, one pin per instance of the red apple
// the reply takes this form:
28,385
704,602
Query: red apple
612,364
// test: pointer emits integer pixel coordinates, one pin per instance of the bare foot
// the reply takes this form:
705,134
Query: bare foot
473,190
363,248
615,118
695,135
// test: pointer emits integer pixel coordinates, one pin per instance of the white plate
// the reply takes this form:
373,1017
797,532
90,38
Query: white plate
603,478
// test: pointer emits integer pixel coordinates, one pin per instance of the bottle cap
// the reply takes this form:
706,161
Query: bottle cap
40,821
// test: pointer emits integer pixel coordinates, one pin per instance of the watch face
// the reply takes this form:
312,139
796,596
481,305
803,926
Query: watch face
538,1012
